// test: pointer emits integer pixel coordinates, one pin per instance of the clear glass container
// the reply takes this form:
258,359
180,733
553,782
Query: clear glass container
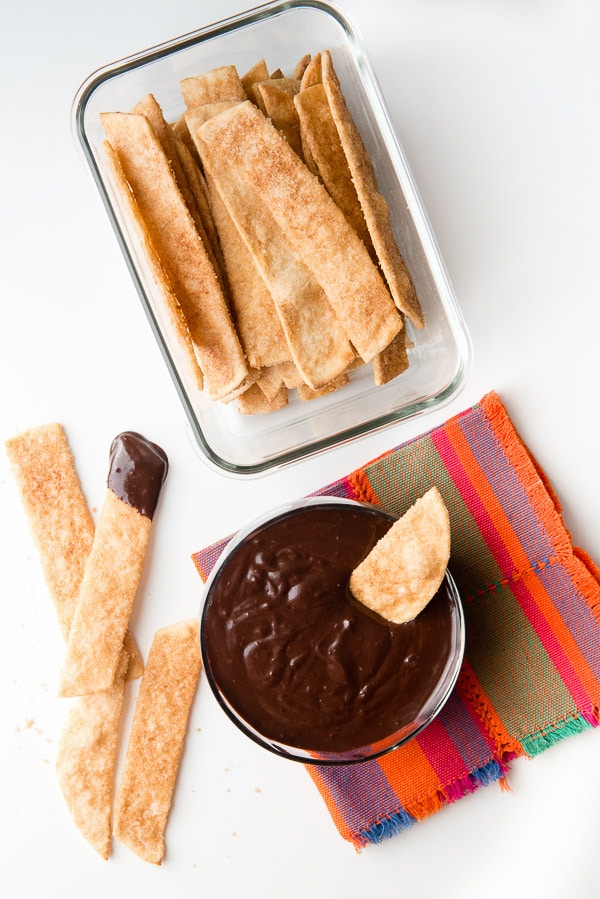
441,676
282,32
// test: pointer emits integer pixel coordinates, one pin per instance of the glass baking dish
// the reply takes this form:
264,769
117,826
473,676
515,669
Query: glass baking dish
281,33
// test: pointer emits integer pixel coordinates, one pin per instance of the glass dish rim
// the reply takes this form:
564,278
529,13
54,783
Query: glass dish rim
194,427
445,687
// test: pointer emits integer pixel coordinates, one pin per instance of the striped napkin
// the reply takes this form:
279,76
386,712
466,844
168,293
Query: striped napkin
531,673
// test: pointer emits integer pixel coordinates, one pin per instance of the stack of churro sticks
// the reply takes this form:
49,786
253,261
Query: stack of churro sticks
266,234
93,574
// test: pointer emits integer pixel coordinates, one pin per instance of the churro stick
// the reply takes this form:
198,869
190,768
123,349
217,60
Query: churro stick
374,206
86,760
314,226
180,250
114,566
156,740
59,519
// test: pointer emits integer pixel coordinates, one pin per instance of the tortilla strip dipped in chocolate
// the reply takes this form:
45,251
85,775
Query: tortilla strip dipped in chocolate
406,567
114,566
174,312
315,228
156,740
222,83
86,760
374,206
316,339
59,519
180,250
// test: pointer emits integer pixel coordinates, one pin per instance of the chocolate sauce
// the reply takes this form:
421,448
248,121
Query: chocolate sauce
137,471
297,657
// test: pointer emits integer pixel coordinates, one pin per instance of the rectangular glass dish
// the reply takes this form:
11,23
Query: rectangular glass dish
282,33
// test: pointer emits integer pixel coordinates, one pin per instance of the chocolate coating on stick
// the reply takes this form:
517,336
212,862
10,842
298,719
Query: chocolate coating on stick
137,471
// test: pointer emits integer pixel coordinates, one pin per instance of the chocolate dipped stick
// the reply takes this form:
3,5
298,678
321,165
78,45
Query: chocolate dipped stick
60,521
114,566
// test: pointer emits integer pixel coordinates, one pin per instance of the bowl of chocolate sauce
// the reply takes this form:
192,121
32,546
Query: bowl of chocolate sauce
297,663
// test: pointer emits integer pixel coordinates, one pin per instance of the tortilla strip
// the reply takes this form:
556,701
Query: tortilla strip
59,519
319,132
180,249
314,335
290,375
256,318
307,393
392,361
156,741
258,72
312,73
222,83
86,760
180,130
270,381
279,106
301,66
149,108
186,175
205,223
176,320
374,206
405,568
112,574
315,228
254,401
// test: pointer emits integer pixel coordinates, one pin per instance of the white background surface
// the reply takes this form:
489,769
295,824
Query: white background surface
496,104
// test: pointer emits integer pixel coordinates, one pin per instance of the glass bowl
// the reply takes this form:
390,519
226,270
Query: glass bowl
301,667
282,32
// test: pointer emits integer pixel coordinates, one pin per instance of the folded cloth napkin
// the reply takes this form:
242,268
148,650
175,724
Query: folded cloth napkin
531,673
